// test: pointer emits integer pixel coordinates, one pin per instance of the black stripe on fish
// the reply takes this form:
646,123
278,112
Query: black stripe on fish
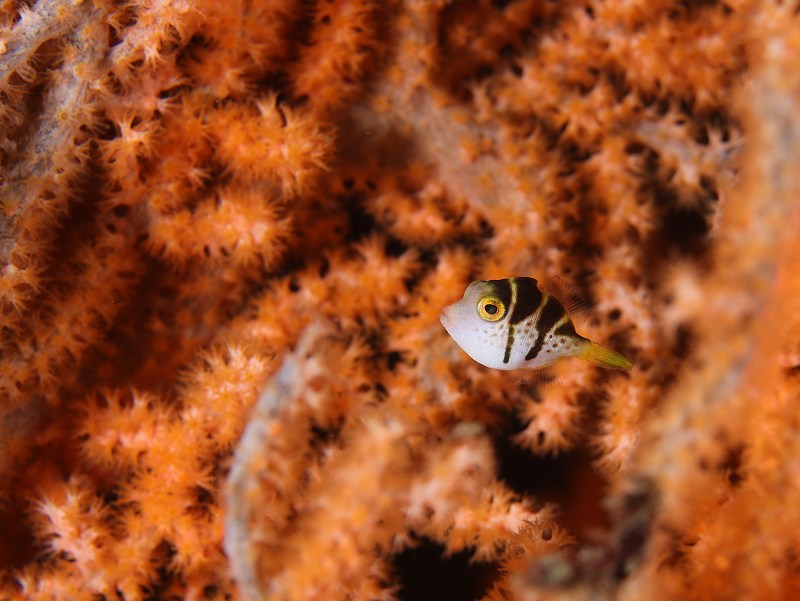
502,290
505,290
528,299
566,329
551,314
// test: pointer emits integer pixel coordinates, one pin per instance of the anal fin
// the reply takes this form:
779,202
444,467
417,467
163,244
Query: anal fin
558,371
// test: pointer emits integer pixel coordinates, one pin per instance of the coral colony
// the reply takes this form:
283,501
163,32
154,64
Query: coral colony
227,232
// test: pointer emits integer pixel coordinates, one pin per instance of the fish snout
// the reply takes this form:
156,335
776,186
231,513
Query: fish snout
446,316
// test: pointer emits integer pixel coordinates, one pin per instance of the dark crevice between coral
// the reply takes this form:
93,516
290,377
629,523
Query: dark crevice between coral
17,544
321,437
732,464
137,310
600,566
300,34
74,233
21,542
633,514
681,232
427,573
361,224
461,67
164,576
278,83
567,480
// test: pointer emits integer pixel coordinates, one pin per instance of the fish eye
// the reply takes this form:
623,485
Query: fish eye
491,309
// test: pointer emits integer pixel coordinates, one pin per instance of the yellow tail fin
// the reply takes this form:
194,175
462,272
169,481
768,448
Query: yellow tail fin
600,355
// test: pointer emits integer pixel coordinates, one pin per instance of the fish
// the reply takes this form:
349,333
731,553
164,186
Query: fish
519,323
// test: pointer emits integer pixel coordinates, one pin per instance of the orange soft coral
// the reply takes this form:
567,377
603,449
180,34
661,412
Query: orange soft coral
227,230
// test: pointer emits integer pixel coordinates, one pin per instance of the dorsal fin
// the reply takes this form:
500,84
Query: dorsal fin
574,302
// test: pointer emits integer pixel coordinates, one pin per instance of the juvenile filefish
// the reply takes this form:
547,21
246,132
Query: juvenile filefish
518,323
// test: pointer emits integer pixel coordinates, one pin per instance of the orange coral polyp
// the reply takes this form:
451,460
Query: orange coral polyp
270,143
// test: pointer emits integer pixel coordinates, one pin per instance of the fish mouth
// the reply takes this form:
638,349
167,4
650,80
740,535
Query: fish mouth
446,317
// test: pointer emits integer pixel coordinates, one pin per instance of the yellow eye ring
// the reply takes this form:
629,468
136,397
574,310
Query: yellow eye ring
491,309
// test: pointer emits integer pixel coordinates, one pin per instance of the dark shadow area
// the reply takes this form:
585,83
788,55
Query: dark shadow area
16,543
567,480
426,573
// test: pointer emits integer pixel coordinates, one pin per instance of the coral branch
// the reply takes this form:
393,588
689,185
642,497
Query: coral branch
46,163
